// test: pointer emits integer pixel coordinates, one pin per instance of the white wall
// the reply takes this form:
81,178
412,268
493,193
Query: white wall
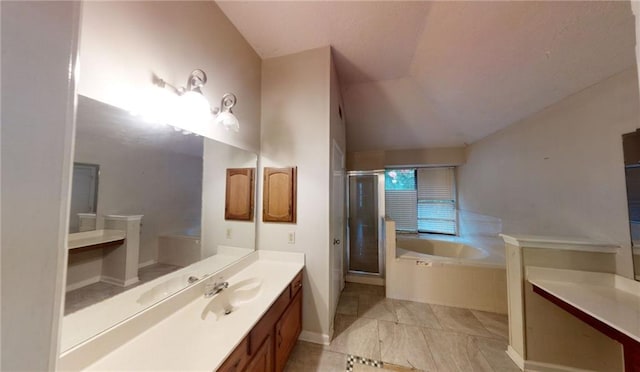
218,157
296,132
39,44
124,43
561,170
379,159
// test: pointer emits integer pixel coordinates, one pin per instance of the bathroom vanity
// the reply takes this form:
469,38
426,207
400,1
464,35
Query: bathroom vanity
252,325
543,335
117,264
607,302
269,343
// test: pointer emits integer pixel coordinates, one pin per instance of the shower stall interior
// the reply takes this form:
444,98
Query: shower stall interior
365,254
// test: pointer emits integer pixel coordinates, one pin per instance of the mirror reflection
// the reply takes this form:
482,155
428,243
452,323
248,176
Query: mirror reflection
84,198
141,193
631,148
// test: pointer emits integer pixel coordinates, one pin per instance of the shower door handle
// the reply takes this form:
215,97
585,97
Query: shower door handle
336,241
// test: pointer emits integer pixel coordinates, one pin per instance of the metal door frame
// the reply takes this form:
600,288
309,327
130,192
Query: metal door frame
381,224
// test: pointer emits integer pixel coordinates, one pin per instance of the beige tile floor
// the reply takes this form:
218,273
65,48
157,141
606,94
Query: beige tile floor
407,336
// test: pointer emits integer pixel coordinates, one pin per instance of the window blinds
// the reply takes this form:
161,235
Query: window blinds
436,194
401,207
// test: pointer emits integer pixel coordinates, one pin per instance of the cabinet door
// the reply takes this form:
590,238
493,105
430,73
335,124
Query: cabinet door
262,359
279,195
237,360
239,194
287,331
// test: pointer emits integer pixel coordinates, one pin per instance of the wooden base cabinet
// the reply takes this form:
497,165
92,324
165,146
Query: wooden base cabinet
262,360
270,342
288,329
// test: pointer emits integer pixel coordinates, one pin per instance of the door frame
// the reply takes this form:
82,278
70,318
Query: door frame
381,217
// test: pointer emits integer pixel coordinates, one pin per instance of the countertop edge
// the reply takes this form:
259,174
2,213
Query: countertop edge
294,261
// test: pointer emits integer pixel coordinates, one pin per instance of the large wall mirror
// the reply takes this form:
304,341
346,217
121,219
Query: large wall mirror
631,147
147,216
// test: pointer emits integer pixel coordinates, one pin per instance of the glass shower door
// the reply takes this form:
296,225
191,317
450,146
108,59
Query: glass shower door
364,252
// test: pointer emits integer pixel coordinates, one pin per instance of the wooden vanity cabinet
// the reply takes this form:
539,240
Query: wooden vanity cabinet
238,359
270,342
262,359
287,330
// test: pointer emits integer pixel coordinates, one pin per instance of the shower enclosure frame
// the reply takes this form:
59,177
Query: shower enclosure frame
380,174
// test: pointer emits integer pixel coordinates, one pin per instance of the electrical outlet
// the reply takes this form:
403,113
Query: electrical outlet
228,233
292,238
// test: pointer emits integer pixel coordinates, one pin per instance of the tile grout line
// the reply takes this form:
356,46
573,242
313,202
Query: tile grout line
395,305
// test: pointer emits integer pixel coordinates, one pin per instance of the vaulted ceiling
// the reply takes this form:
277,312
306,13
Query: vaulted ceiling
435,74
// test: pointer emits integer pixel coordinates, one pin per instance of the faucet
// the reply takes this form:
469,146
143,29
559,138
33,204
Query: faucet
212,290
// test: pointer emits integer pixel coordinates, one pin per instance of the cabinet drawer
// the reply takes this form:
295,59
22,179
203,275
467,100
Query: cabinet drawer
296,284
265,326
238,358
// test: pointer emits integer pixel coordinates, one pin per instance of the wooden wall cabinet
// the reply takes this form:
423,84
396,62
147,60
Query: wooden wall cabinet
270,342
239,199
279,195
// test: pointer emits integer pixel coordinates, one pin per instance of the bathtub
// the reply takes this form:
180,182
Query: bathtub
180,249
450,271
437,249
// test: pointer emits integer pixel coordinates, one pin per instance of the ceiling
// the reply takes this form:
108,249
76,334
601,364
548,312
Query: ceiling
436,74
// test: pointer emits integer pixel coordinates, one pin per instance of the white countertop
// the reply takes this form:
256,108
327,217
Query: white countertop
560,242
88,238
185,341
83,324
612,299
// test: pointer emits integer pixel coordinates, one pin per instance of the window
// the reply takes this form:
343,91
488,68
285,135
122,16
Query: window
400,198
422,199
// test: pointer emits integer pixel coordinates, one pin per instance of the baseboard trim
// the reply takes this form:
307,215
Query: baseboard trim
529,365
82,283
373,280
548,367
147,263
118,282
314,337
515,356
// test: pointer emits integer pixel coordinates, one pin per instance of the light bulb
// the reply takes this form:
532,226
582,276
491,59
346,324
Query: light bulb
228,120
193,109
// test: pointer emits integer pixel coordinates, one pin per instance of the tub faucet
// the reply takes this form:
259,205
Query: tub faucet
214,289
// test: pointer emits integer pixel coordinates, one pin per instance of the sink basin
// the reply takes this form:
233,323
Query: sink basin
232,298
168,287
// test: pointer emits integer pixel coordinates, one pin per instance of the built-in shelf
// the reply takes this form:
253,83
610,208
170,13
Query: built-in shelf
95,239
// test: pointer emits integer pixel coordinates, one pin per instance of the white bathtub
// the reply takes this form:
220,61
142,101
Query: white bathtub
431,248
180,249
446,271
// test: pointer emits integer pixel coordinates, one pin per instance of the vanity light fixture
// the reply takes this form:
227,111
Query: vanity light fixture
224,115
194,107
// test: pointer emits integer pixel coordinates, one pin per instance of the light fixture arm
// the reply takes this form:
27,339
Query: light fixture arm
196,80
226,104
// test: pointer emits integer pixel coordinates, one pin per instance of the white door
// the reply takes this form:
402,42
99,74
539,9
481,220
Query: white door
337,223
